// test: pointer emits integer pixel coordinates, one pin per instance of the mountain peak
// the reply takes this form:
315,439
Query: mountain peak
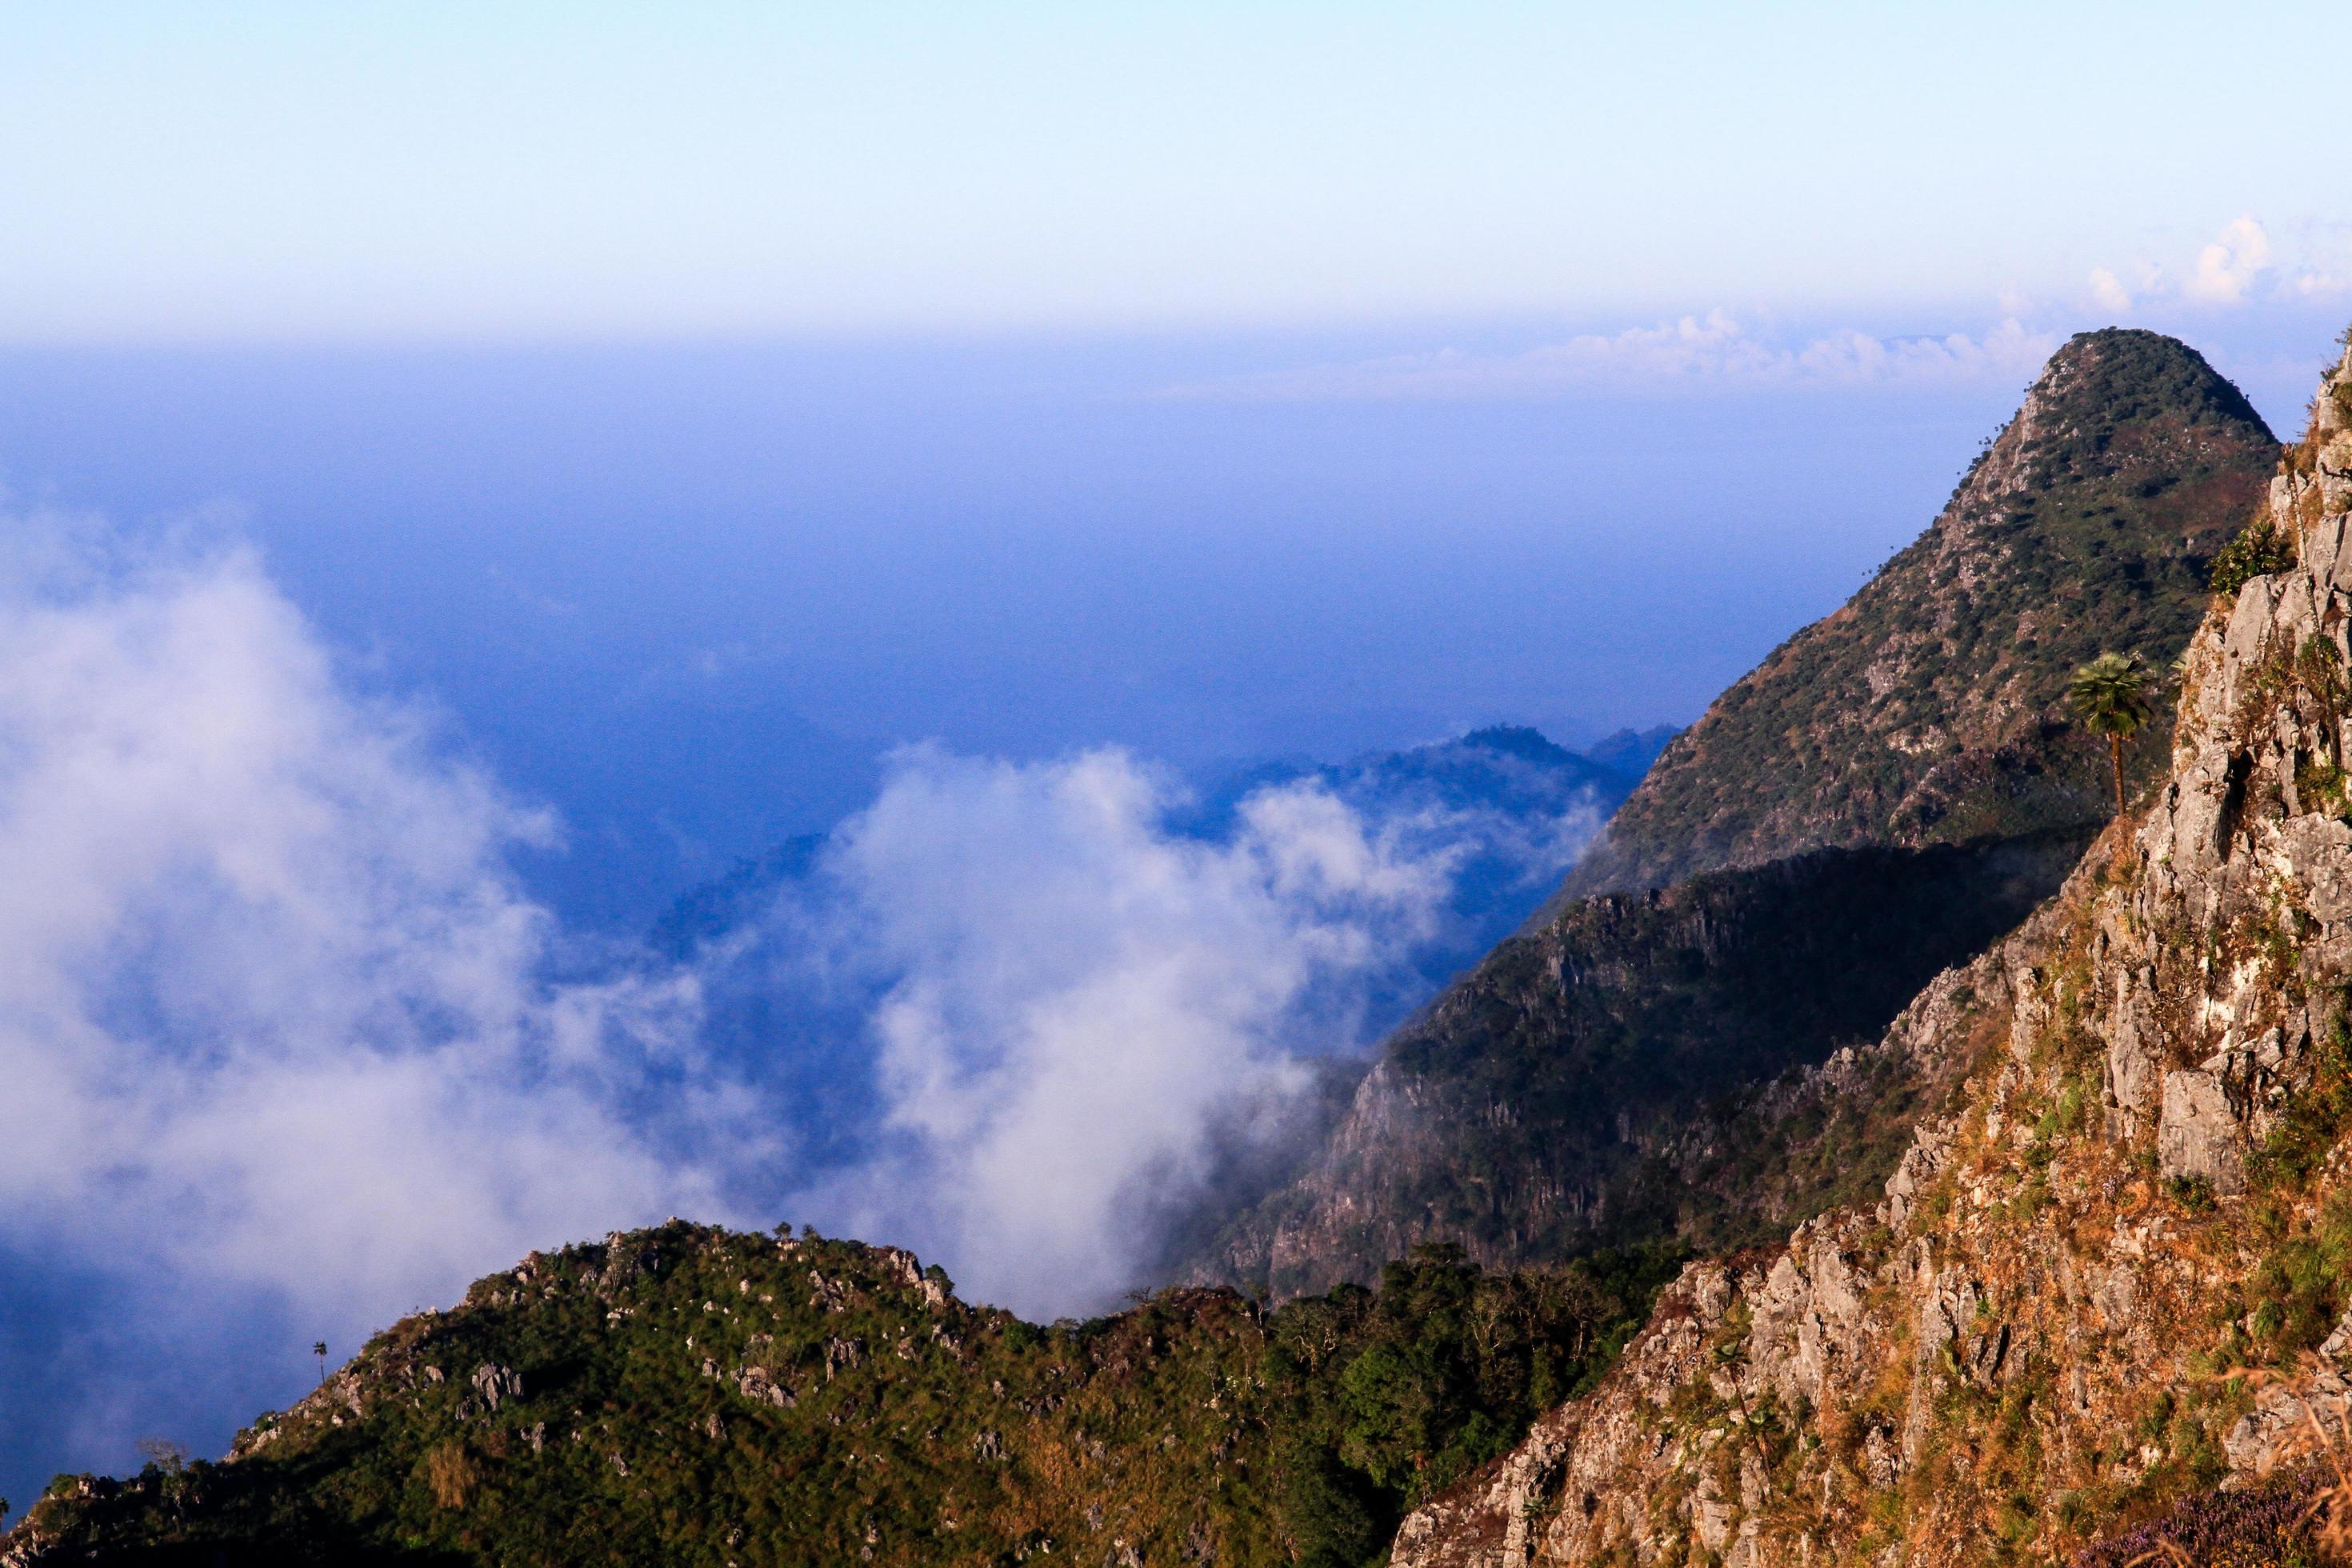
1516,740
1929,707
2121,372
2103,1235
1887,791
2104,382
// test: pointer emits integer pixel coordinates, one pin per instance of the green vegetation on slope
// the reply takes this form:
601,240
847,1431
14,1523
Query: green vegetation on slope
692,1395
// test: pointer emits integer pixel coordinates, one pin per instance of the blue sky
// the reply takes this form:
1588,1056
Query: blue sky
286,171
1214,380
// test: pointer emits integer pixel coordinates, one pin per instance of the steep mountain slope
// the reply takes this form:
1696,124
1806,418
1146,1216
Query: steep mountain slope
1575,1062
1547,1099
1929,707
693,1395
2114,1277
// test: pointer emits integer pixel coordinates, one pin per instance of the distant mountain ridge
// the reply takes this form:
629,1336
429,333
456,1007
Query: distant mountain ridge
1631,751
1915,739
1514,807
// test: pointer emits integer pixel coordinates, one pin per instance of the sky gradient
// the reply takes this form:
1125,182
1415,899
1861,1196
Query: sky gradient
281,171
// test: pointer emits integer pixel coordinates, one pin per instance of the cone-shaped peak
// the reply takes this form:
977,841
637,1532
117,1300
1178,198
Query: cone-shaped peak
2119,374
1930,705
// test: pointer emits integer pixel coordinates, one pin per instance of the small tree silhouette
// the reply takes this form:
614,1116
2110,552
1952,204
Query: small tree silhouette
2113,696
163,1454
319,1349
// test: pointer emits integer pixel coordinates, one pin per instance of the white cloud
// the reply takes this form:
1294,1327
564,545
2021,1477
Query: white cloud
1713,353
2325,271
2228,269
1078,998
2109,290
272,1019
2242,264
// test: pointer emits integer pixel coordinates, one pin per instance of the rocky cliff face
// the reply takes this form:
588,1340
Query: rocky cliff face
1889,791
2112,1279
1928,708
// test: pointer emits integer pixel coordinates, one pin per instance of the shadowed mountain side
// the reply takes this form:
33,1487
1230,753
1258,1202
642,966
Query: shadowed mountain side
1546,1103
1930,708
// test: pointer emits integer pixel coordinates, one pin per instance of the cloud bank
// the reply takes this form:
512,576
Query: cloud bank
2243,264
1719,353
285,1053
2228,269
1714,352
1070,1001
273,1027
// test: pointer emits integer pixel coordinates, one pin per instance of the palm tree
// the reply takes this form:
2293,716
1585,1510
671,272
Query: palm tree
319,1349
2113,695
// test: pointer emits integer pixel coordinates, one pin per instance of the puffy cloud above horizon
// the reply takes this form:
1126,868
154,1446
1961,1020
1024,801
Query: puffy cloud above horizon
2242,265
1712,352
2229,267
1717,352
2108,290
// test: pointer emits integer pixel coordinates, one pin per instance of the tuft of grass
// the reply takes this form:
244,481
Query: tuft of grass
2259,549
